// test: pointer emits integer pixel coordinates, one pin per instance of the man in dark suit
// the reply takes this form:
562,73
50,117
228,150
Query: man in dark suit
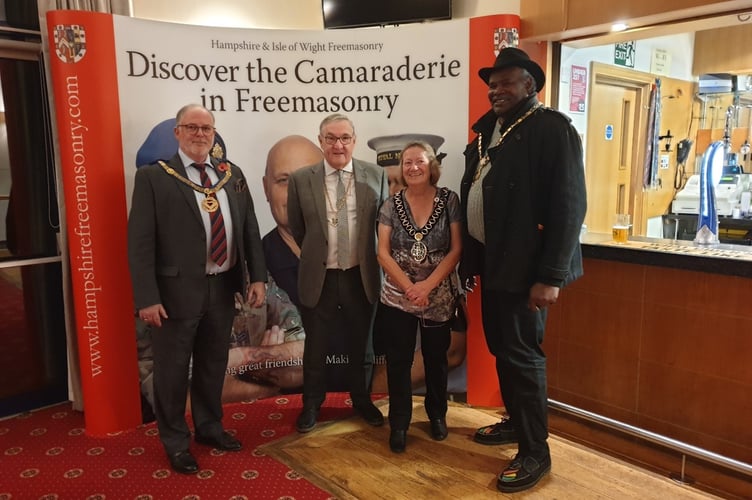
523,203
193,242
331,209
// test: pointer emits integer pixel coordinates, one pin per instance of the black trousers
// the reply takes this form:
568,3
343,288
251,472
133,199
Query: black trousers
343,311
206,339
514,335
398,331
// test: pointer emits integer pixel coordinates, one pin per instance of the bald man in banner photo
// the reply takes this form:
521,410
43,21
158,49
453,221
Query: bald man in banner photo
282,253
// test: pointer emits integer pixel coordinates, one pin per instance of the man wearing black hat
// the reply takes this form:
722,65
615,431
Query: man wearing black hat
523,198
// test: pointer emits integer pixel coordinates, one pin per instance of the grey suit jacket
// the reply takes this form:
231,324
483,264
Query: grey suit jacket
167,240
306,211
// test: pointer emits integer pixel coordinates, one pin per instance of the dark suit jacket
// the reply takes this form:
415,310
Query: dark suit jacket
167,240
534,203
306,212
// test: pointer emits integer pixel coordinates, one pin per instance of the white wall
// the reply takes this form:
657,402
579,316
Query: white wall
680,47
285,14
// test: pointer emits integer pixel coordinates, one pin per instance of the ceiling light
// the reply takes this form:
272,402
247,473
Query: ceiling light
619,26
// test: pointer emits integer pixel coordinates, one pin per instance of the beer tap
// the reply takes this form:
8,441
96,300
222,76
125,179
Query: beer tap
729,156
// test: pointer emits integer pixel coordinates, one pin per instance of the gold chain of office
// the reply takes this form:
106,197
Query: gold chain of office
484,158
340,201
419,250
209,203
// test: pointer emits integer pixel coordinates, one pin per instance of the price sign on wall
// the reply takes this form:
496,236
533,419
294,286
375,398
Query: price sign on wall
660,63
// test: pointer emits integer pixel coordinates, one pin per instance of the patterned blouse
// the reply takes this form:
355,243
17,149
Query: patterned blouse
437,242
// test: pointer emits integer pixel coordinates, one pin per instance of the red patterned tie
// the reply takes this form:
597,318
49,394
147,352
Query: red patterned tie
218,246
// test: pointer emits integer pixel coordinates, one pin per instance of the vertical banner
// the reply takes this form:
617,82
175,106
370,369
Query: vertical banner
488,35
82,61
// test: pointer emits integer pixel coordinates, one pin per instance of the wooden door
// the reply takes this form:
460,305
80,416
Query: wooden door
609,154
614,146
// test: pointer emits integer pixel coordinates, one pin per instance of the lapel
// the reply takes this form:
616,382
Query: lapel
188,192
361,193
229,189
317,186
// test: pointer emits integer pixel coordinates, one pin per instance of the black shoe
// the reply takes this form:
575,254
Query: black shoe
370,413
439,429
502,432
183,462
306,420
522,473
222,442
397,441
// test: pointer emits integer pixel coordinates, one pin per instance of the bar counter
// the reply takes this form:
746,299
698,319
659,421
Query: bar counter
658,334
728,259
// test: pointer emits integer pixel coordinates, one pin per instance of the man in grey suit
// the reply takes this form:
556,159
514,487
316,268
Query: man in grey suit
193,242
332,208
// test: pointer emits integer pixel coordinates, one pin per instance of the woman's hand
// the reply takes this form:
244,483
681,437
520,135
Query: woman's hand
418,293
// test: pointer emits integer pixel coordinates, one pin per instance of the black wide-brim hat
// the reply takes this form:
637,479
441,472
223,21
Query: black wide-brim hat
514,57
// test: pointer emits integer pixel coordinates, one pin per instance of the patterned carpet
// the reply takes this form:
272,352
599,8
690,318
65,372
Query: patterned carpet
47,455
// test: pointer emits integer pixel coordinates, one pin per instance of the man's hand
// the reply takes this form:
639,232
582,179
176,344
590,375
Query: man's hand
153,315
542,295
256,294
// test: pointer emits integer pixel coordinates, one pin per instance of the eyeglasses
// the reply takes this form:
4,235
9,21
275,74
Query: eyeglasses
193,129
332,139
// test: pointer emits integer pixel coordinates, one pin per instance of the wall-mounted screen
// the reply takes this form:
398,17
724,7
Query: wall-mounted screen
353,13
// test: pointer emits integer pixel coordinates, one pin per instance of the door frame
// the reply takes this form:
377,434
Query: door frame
59,386
605,74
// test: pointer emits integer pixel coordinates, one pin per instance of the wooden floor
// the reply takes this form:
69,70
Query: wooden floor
352,460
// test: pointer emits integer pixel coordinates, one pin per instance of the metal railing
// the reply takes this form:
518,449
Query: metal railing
680,446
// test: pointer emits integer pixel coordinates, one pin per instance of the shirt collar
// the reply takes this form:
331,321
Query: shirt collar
187,162
328,169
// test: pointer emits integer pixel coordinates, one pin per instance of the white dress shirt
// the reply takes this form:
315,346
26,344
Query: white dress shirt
224,205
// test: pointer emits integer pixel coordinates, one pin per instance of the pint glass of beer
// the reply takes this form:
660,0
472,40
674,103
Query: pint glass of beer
620,229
